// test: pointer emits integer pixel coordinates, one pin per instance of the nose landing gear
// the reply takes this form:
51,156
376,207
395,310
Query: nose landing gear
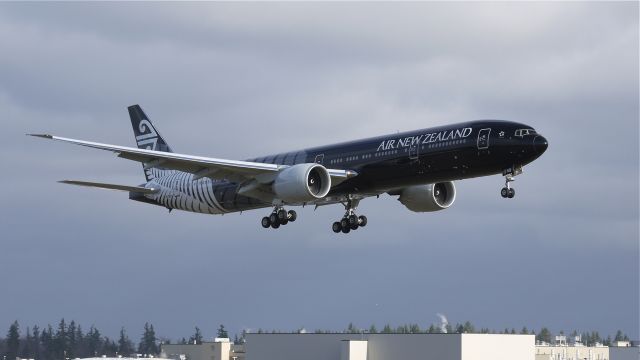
507,191
350,221
279,216
509,174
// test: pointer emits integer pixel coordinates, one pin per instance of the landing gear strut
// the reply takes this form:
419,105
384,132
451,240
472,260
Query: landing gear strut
509,174
279,216
350,221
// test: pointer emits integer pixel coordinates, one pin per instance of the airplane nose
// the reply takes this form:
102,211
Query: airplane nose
540,144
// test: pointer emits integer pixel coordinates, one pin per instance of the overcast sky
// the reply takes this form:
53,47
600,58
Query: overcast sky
244,79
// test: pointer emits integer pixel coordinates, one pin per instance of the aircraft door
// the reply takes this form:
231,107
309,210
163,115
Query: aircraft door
483,138
319,159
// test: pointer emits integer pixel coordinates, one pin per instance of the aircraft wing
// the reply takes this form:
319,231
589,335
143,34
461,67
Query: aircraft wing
232,170
138,189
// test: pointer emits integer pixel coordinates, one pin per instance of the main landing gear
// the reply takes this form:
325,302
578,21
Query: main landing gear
278,217
350,221
509,174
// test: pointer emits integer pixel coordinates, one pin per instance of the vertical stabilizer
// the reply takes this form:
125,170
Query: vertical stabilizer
147,137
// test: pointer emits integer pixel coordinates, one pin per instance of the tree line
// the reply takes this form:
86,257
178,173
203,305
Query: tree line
69,341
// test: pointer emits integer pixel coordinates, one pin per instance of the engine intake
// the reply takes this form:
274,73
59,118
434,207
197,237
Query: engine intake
302,183
430,197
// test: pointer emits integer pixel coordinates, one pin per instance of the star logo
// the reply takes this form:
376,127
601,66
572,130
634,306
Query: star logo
501,133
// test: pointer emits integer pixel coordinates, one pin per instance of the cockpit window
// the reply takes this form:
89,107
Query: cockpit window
523,132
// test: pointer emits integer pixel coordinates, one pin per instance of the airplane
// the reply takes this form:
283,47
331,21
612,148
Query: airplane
419,167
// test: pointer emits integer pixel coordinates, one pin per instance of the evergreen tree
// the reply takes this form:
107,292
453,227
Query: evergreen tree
432,329
544,335
449,328
110,347
414,329
80,350
196,338
387,329
222,333
72,342
125,346
35,348
47,341
373,329
468,327
26,349
607,342
524,331
61,341
619,336
148,342
13,341
93,341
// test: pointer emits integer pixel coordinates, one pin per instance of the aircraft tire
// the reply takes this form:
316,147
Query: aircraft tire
344,223
266,223
292,215
362,220
346,230
353,220
282,215
336,227
504,192
273,218
275,225
512,193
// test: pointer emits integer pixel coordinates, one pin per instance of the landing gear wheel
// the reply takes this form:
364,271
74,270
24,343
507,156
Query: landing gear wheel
344,223
273,218
504,192
275,225
512,193
336,227
284,222
362,220
266,222
346,230
354,226
292,215
353,220
282,215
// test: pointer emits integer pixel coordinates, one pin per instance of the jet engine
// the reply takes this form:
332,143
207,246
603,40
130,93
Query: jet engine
430,197
302,183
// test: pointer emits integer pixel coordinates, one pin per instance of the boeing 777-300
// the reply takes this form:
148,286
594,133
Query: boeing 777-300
417,166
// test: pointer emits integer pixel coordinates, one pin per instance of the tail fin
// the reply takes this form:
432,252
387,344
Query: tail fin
147,137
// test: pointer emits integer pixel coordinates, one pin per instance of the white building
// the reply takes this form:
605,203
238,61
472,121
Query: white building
389,346
622,350
571,352
219,349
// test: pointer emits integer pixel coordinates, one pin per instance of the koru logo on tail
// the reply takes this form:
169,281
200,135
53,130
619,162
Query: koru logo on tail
148,138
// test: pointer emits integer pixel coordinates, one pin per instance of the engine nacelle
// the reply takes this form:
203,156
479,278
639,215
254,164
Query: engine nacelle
430,197
302,183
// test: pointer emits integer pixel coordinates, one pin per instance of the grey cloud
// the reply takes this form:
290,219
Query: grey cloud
238,80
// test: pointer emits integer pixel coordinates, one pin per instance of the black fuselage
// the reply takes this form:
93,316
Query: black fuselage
391,162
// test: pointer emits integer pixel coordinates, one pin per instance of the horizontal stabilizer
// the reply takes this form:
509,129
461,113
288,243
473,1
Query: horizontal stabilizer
138,189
